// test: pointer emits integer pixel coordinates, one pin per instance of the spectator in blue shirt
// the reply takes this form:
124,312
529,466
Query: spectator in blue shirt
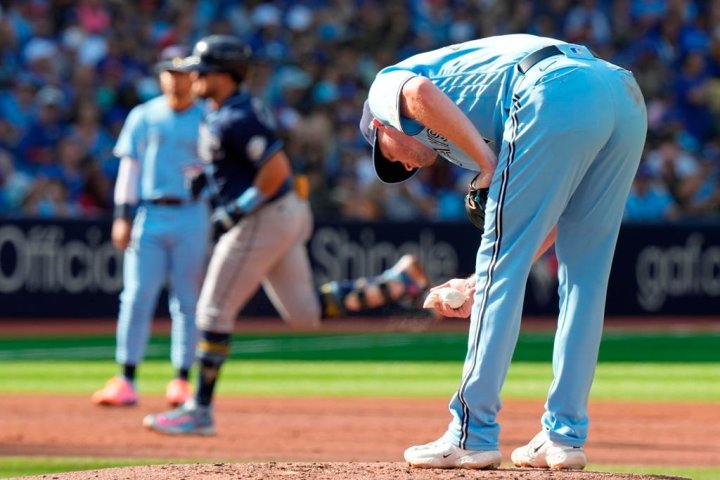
45,131
649,199
692,95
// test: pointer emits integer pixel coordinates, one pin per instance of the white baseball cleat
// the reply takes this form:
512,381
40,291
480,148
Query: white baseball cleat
443,454
541,452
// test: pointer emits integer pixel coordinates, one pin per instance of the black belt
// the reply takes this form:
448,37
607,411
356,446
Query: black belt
167,201
538,56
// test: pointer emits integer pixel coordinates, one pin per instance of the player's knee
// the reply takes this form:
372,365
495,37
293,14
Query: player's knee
307,318
209,318
183,307
183,316
134,296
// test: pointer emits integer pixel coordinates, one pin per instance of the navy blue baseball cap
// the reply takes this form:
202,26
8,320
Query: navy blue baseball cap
386,171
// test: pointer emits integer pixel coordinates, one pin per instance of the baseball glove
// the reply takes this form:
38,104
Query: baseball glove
475,202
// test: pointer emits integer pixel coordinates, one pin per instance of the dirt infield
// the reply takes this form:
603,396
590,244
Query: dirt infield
252,430
329,471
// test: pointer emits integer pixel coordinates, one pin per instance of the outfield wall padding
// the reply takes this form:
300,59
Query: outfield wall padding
54,268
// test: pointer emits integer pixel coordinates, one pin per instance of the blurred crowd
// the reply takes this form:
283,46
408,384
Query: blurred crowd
71,70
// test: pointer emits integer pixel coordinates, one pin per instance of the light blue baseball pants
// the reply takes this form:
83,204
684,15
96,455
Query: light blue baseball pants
572,142
168,243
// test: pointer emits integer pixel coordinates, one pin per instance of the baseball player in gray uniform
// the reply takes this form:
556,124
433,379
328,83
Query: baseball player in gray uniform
264,228
556,135
158,149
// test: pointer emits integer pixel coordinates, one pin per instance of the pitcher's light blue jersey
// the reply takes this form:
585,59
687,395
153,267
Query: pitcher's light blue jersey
477,75
164,142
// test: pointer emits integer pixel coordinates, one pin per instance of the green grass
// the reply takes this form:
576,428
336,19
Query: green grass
22,466
672,347
17,466
656,367
526,380
633,367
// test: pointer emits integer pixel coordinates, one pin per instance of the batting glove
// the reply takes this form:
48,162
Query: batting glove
226,216
196,182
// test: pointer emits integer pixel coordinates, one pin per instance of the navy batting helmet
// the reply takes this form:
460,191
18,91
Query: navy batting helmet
220,53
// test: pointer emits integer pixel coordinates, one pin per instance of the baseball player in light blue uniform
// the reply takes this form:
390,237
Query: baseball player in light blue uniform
168,239
556,135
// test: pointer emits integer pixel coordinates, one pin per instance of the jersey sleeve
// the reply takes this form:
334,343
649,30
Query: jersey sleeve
129,141
127,182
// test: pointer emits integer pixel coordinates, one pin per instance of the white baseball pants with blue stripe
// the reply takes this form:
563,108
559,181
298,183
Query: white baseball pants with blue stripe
572,143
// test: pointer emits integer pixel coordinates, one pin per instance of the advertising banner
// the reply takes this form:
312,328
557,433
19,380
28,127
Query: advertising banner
70,268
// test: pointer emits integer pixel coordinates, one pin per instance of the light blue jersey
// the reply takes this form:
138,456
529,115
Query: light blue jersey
568,130
477,75
165,144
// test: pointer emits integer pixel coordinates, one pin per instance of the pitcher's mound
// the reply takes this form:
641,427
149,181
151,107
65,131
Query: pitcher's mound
328,471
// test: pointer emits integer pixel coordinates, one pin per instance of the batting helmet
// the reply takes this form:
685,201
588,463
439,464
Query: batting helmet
220,53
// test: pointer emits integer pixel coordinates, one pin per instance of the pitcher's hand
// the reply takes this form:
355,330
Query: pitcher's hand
464,285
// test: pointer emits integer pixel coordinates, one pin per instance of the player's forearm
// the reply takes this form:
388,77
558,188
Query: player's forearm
273,174
422,101
270,178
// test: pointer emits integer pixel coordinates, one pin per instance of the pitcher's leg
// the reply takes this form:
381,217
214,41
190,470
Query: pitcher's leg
587,234
538,171
583,283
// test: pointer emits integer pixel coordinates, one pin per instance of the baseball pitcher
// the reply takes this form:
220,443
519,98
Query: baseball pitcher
556,135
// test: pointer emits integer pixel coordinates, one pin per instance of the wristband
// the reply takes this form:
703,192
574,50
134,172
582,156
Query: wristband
250,200
124,210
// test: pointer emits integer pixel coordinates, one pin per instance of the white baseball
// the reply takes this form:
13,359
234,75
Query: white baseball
453,298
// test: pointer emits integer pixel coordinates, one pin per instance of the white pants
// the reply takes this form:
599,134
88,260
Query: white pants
267,247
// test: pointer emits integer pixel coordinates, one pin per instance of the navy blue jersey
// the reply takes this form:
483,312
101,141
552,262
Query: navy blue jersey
235,141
